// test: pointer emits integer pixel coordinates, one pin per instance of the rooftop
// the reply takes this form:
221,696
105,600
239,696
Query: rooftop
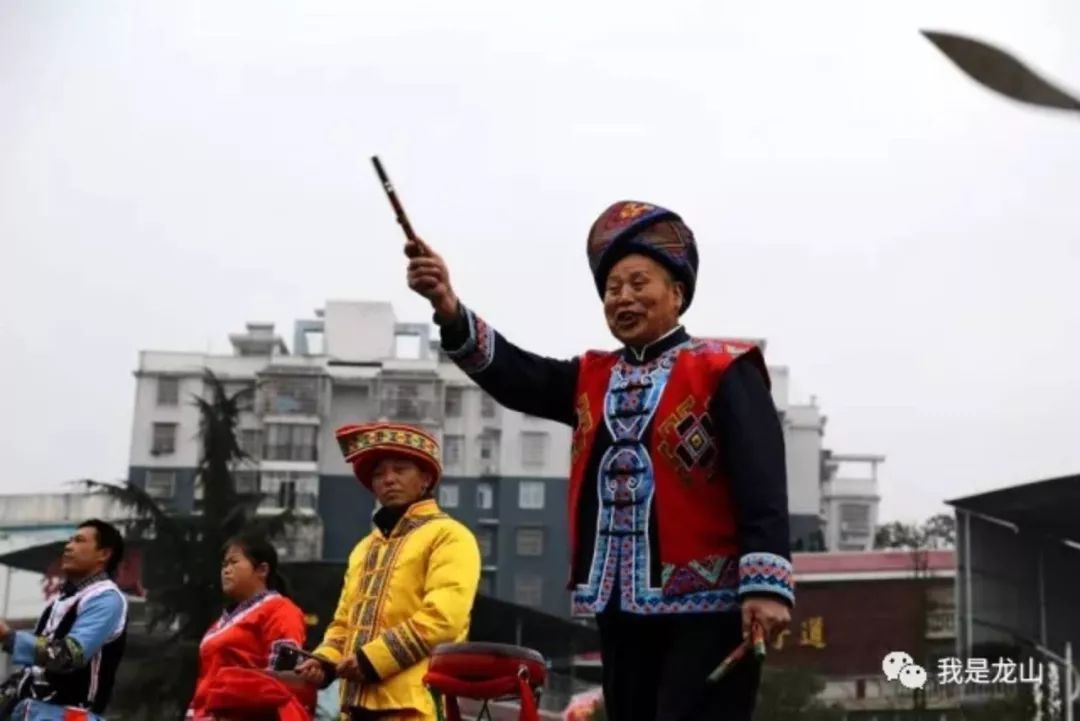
869,561
1048,506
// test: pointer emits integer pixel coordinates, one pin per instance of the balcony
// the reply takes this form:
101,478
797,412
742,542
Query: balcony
289,395
849,488
408,409
410,400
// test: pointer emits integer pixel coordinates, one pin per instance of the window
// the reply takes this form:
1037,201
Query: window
289,489
408,401
160,484
489,448
164,440
290,442
487,406
533,448
485,537
528,589
854,522
448,495
453,450
291,394
452,403
168,391
485,496
251,442
531,495
530,541
487,583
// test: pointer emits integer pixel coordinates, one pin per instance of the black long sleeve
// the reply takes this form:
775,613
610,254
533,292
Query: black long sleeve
517,379
749,427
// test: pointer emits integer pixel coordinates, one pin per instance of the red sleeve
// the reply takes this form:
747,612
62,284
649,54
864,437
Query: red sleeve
284,625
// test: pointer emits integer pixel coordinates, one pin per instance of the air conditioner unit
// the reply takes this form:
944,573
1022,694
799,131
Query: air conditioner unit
489,469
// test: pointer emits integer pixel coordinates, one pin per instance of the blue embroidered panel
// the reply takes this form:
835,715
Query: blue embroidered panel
626,488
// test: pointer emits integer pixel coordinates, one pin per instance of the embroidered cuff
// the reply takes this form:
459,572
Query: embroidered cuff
766,573
395,650
479,348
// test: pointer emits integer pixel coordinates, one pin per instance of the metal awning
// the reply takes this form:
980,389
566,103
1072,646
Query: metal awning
1047,507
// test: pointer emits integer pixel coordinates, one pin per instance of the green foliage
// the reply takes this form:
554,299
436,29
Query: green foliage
937,532
791,694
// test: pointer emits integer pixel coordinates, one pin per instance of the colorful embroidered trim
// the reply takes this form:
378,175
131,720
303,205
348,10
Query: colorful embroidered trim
374,581
766,573
626,486
354,440
405,645
479,350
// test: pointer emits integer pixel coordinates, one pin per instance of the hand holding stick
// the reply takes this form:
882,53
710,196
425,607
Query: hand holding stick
755,642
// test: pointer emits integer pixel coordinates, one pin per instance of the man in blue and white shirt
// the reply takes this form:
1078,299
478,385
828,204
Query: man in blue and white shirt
70,659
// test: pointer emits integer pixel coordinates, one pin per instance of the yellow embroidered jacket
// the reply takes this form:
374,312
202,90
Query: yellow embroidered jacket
402,596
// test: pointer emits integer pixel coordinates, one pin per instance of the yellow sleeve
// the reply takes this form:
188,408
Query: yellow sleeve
336,636
453,576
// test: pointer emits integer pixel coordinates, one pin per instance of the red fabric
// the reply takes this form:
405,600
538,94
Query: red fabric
693,505
244,693
594,372
75,714
502,687
245,642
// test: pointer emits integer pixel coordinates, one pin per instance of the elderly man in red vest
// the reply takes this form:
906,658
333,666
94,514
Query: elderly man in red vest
678,511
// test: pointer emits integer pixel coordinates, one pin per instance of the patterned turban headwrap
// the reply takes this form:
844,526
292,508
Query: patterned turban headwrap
365,445
632,227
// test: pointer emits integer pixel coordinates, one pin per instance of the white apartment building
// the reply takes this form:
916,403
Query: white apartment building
850,500
353,363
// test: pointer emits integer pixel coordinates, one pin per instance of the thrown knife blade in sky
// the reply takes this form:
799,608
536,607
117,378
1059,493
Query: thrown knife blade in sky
999,71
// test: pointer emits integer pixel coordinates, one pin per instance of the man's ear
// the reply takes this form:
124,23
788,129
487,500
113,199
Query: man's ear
679,289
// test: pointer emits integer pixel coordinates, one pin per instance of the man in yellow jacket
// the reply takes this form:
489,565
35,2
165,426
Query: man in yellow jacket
410,583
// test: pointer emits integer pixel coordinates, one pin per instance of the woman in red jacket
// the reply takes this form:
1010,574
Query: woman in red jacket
238,651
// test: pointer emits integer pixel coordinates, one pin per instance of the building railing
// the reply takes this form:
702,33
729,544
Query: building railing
408,409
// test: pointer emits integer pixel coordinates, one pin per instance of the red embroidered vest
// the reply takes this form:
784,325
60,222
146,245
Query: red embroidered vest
691,492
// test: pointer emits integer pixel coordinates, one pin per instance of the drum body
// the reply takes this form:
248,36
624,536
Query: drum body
486,672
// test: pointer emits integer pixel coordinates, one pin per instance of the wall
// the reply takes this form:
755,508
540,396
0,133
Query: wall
1006,600
860,622
803,429
183,500
345,507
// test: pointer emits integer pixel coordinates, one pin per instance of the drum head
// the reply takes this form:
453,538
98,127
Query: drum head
496,650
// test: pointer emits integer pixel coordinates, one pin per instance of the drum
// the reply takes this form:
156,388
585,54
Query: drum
486,672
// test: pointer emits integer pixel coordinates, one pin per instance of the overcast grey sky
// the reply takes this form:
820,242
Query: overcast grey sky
907,242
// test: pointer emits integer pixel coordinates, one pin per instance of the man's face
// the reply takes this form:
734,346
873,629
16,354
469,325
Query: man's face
641,301
399,482
82,557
